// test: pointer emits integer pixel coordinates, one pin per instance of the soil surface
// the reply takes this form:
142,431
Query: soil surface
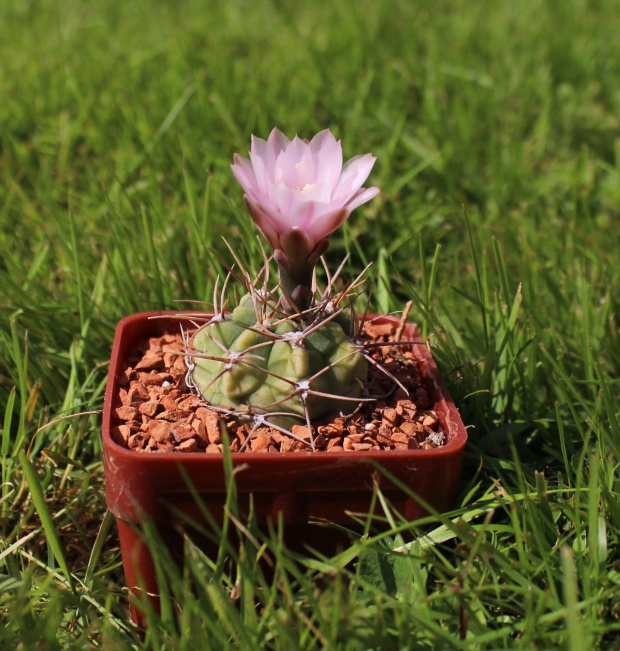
156,412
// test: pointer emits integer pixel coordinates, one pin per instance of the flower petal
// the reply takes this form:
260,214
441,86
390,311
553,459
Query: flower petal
327,153
322,140
303,212
285,200
362,196
285,169
263,154
259,165
319,221
277,142
244,173
318,250
354,173
265,222
306,170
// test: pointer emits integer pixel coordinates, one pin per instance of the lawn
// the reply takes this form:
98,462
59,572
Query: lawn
497,134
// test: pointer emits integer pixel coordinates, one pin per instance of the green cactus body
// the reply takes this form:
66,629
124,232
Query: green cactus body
252,379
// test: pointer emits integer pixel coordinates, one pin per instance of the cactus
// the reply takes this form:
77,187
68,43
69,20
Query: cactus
283,367
283,354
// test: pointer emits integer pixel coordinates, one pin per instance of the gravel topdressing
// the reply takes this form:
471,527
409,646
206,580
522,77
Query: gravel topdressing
156,412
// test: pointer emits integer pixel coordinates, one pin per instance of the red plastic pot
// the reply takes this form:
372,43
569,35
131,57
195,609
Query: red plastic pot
295,487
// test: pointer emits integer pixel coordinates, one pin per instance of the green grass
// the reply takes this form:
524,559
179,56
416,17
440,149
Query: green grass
497,133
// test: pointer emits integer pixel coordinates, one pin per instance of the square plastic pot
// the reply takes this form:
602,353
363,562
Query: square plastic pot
296,487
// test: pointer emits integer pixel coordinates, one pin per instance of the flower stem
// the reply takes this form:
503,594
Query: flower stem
296,284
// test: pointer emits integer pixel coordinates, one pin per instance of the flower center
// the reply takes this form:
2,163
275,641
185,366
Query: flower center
305,188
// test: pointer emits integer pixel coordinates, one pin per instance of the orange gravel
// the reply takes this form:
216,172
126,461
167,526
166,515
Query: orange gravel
156,412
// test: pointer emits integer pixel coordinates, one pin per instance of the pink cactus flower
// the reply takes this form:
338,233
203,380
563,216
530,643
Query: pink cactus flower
298,192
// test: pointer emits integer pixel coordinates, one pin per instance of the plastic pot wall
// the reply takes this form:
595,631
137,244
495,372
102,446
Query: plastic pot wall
296,487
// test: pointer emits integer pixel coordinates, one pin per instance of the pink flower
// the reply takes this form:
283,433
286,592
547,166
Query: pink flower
298,192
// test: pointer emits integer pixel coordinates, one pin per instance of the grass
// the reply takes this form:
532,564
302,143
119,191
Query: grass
497,134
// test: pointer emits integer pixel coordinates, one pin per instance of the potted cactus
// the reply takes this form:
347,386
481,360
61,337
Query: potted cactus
291,363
